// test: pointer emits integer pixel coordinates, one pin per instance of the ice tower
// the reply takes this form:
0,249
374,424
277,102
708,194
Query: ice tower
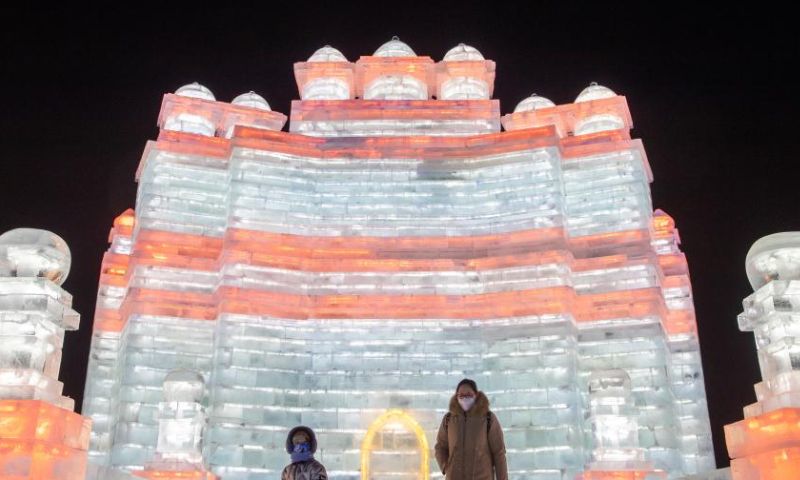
347,274
766,444
41,437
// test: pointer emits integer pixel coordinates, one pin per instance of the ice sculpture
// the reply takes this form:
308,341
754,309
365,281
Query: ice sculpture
41,437
766,444
348,274
181,424
615,430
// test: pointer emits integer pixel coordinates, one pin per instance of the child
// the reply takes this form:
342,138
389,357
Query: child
301,445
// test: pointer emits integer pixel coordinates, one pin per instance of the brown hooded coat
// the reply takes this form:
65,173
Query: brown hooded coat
465,450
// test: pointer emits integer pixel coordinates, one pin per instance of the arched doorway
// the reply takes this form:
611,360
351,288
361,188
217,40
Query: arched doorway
389,433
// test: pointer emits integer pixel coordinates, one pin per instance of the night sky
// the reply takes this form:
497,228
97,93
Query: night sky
709,91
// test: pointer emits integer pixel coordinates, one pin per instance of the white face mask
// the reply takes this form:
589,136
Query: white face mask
466,403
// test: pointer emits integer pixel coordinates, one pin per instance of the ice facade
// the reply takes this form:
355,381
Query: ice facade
766,444
346,274
41,437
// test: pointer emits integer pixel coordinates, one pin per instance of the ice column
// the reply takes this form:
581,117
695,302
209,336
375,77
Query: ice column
615,430
40,436
181,424
766,444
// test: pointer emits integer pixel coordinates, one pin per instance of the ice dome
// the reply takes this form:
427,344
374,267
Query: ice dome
30,252
594,92
462,53
327,54
774,257
534,102
394,48
195,90
251,100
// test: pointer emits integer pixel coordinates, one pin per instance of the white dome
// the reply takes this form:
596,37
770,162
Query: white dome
195,90
534,102
327,54
394,48
30,252
462,53
774,257
251,100
594,92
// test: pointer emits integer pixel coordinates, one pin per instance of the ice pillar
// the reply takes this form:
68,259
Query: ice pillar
766,444
40,436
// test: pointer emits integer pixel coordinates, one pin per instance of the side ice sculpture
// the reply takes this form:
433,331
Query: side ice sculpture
181,423
615,431
766,444
41,437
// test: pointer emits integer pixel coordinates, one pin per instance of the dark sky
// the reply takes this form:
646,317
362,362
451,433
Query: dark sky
710,93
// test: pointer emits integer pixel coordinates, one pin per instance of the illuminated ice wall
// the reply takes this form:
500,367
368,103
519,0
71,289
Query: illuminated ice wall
347,274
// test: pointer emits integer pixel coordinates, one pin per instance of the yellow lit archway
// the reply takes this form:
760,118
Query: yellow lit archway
389,416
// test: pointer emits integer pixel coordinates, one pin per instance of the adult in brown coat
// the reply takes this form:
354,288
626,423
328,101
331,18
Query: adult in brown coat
470,443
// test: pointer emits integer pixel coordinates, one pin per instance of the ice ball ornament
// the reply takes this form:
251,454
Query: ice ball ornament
30,252
774,257
184,386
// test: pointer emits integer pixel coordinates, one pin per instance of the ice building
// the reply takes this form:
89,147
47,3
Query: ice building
348,273
766,444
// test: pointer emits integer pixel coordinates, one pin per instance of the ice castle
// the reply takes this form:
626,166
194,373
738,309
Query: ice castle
401,236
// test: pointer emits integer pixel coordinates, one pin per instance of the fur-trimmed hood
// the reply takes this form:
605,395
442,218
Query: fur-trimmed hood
309,432
479,409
